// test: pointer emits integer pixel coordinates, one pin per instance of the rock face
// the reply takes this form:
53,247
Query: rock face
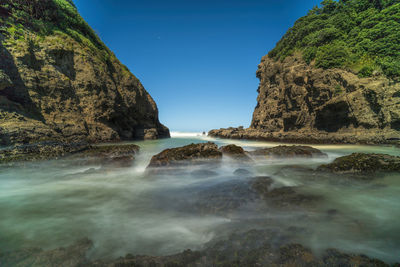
289,152
298,102
58,81
363,163
193,154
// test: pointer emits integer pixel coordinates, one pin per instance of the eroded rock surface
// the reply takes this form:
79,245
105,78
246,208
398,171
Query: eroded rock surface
298,102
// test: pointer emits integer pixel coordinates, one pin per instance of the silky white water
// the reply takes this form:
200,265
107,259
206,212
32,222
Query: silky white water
54,203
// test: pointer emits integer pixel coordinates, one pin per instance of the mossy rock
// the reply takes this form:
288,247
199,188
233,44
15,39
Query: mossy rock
359,163
193,154
289,152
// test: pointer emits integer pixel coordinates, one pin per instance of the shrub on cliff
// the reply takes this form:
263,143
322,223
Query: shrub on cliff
343,33
43,17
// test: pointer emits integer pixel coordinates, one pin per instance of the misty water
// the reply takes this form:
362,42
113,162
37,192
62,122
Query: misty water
54,203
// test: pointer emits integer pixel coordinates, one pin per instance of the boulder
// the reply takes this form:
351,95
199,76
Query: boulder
235,152
194,154
359,163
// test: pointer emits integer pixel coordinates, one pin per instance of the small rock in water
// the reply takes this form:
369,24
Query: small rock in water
236,152
242,172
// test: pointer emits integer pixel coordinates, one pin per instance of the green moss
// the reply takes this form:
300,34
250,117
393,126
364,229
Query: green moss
343,34
47,17
338,90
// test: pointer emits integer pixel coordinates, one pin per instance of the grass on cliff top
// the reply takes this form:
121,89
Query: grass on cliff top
360,35
22,19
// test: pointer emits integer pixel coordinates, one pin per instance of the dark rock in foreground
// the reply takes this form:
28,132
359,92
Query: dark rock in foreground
74,255
289,152
289,196
229,197
193,154
363,163
251,248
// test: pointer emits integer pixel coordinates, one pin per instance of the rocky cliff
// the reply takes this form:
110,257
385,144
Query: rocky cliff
315,89
299,98
298,102
58,81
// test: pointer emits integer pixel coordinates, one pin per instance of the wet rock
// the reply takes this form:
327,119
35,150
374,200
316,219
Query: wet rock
262,185
203,173
289,152
360,163
74,255
191,154
224,198
234,151
267,247
289,197
183,259
40,151
333,257
228,197
242,172
110,155
117,155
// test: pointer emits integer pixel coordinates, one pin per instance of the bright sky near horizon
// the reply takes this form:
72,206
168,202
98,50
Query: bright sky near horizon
197,58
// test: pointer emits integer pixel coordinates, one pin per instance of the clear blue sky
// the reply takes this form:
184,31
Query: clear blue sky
197,58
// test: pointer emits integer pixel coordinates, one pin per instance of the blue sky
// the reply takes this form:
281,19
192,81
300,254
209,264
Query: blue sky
197,58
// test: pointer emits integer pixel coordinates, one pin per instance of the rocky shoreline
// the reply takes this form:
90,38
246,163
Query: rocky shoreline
118,155
304,137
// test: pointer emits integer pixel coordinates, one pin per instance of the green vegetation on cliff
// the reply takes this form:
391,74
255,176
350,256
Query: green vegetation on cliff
360,35
59,82
48,17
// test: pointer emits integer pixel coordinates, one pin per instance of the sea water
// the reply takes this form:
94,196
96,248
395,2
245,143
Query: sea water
50,204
